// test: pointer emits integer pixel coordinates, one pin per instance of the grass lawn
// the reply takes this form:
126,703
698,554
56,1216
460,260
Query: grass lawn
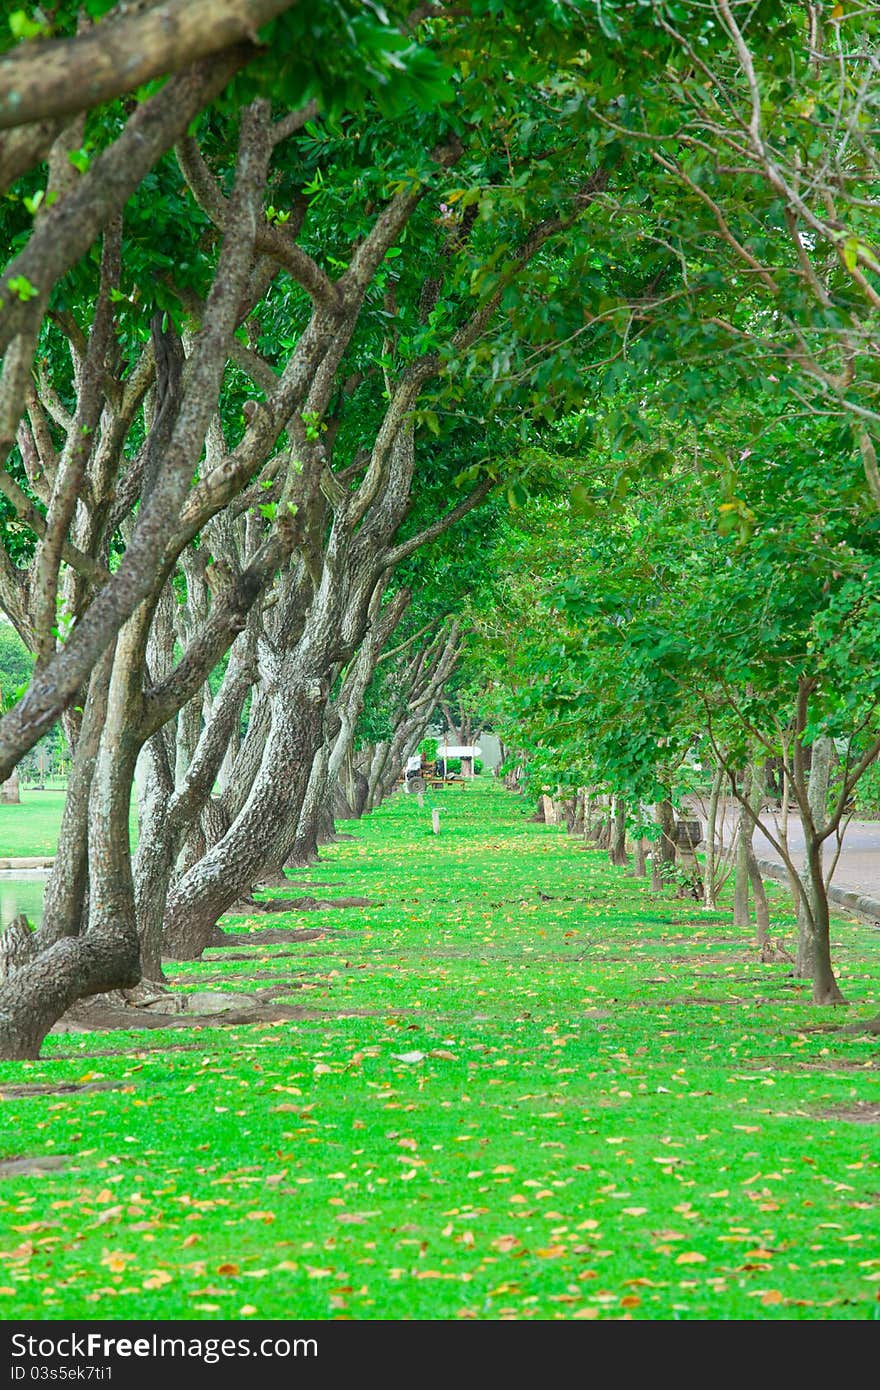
30,829
522,1087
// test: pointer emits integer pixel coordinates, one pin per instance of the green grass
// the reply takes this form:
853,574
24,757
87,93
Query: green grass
610,1109
30,829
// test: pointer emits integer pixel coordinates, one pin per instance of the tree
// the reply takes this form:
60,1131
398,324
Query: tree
745,623
251,478
750,141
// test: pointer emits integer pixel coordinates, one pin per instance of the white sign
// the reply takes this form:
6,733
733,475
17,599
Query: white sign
459,750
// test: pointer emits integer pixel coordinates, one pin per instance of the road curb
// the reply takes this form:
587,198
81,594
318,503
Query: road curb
41,862
857,904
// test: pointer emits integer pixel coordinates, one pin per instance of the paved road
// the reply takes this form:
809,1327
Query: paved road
858,867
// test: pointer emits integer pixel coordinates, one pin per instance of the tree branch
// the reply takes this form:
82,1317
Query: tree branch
58,77
68,229
400,552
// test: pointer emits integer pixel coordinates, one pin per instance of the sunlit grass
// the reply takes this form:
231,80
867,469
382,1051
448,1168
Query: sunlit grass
524,1087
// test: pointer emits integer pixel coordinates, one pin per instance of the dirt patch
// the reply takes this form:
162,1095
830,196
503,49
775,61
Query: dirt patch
869,1025
308,904
103,1015
698,942
105,1019
268,1012
223,979
144,1048
699,962
267,936
63,1088
818,1064
317,883
704,1002
252,955
24,1167
860,1112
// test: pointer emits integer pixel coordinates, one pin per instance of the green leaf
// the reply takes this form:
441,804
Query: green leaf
22,288
23,27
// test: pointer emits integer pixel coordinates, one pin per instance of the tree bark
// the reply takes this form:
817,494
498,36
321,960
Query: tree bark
304,850
617,849
810,952
664,846
639,867
65,899
260,833
759,892
122,54
744,832
710,887
106,956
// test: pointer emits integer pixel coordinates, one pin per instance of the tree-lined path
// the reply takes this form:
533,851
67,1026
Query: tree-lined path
372,376
515,1085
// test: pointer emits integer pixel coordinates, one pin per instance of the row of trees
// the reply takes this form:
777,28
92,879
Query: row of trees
290,296
661,641
220,331
715,597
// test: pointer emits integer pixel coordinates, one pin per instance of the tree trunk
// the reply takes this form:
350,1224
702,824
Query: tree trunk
250,755
759,893
639,867
360,794
825,986
106,956
66,896
155,856
258,834
375,789
617,848
710,887
744,832
304,850
664,846
10,794
340,807
175,821
817,793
